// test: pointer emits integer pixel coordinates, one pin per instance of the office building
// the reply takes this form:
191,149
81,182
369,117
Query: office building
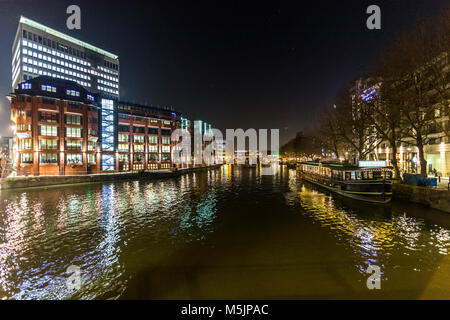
39,50
61,129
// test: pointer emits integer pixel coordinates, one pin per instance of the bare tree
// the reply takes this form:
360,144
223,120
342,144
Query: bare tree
354,126
385,114
328,131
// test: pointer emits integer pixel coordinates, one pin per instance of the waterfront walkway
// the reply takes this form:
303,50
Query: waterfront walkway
443,184
49,180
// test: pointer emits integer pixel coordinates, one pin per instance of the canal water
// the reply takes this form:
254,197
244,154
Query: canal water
224,233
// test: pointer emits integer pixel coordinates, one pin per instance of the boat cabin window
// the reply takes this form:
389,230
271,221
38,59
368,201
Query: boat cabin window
376,174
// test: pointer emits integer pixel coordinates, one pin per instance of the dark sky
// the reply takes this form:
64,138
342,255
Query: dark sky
236,64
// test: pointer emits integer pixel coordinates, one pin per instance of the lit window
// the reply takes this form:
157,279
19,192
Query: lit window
48,144
152,139
73,132
165,140
48,158
26,143
26,158
74,158
48,88
124,137
91,158
73,93
165,148
91,146
51,131
73,145
73,119
26,86
123,147
123,157
90,97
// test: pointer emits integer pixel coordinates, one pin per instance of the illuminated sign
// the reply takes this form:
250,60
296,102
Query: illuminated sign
372,164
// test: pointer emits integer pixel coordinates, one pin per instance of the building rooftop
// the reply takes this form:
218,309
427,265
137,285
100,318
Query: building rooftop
61,35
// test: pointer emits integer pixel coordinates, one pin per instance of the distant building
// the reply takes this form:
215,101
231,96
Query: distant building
6,147
200,128
221,151
39,50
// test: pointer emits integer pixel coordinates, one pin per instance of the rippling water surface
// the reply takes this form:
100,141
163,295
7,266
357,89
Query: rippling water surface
223,233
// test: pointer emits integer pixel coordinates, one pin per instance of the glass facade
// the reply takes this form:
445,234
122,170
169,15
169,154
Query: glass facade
108,162
41,51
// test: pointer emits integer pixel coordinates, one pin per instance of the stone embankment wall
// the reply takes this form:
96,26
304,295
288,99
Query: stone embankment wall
434,198
42,181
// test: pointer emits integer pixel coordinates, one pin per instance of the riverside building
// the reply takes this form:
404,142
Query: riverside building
39,50
61,129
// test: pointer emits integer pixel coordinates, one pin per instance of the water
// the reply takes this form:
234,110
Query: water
223,233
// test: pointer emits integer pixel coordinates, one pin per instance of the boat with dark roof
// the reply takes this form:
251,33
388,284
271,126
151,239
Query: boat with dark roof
371,181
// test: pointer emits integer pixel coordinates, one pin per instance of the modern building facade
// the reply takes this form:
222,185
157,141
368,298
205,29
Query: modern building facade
39,50
62,129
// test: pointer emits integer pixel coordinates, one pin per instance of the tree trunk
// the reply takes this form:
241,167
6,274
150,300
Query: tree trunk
423,162
394,161
336,152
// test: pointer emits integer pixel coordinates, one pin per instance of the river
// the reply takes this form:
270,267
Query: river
227,233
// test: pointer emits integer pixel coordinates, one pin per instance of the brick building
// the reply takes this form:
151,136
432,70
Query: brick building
62,129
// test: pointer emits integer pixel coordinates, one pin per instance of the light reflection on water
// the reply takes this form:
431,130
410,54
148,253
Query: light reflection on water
226,228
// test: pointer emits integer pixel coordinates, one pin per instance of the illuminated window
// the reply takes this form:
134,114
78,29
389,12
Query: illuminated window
26,143
50,131
26,158
124,147
139,148
152,139
165,148
74,158
73,93
73,119
73,145
152,148
123,157
124,137
139,139
48,88
48,158
25,86
73,132
48,144
92,145
91,158
165,140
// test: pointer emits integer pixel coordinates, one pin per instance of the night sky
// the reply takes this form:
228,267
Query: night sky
235,64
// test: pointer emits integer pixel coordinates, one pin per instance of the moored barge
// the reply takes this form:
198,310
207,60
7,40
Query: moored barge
370,181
